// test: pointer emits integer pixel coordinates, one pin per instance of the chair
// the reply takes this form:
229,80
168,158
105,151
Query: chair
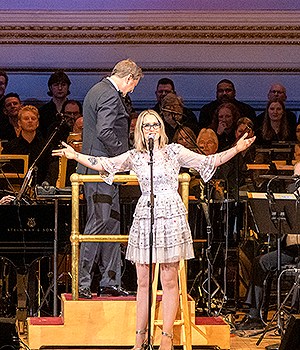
290,270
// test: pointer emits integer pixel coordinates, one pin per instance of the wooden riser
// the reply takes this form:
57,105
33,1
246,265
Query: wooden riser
111,322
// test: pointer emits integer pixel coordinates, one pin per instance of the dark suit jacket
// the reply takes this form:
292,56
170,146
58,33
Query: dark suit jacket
106,123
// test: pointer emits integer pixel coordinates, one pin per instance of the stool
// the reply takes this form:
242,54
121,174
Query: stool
185,317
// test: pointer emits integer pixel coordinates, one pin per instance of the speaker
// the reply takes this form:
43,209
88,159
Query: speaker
9,338
291,337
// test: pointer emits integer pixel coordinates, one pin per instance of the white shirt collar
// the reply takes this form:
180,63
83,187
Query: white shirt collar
114,84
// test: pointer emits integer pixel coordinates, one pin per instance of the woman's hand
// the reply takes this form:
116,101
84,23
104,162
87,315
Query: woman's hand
67,151
7,199
222,126
243,143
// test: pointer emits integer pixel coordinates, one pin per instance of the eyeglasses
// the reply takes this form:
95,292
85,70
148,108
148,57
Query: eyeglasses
148,126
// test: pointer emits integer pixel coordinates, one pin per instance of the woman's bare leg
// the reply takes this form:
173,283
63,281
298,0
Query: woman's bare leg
142,302
170,300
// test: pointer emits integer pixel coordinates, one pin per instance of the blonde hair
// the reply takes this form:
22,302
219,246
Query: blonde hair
28,108
210,132
139,140
126,67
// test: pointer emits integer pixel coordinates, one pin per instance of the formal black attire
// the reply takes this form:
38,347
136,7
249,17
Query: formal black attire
188,119
49,117
7,131
290,116
21,146
105,133
208,110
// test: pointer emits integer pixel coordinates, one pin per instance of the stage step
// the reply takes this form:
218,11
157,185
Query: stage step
110,321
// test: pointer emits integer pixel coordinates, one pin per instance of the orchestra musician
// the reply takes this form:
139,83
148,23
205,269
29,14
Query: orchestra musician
265,263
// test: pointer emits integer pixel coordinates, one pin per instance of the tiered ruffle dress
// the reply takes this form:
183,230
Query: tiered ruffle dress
172,240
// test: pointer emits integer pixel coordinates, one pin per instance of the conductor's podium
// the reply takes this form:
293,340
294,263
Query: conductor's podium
110,321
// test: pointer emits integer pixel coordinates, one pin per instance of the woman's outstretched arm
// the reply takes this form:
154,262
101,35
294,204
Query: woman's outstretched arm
88,161
242,144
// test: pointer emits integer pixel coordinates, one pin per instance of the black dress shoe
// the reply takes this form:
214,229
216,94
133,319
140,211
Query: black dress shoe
251,323
113,291
85,293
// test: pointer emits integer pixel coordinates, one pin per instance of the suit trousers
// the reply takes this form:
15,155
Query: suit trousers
261,266
103,217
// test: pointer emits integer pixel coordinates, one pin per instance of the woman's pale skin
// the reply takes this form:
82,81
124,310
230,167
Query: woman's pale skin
241,129
225,118
275,112
6,199
168,271
207,144
28,122
93,163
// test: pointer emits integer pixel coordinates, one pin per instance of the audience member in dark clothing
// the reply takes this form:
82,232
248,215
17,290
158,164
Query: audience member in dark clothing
72,112
225,93
235,172
172,114
9,126
277,92
224,124
164,87
29,141
275,125
3,86
58,84
186,137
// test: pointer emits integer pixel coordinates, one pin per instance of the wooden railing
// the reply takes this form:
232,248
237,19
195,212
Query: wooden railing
76,237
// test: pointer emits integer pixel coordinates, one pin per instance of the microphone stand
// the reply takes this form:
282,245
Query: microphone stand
277,218
205,208
192,141
151,205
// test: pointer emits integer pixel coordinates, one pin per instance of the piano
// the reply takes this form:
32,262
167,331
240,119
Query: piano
27,231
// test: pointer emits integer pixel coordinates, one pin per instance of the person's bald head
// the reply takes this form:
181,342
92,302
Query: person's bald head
277,92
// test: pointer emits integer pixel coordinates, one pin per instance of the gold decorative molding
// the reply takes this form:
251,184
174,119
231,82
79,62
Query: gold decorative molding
149,36
157,70
161,41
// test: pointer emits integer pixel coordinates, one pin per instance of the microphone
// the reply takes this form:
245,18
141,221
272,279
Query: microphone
151,138
45,185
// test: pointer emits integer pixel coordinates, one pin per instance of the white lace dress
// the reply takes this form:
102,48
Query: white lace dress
172,240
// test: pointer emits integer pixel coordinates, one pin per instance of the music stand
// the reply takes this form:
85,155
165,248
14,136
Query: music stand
17,165
281,219
285,203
